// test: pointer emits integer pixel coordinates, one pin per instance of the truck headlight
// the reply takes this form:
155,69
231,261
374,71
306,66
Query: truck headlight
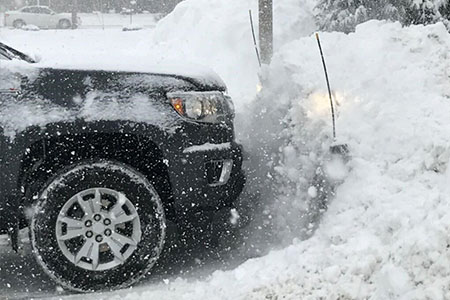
208,107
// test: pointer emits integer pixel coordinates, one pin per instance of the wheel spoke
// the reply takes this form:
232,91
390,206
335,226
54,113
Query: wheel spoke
117,210
71,223
91,206
71,233
74,228
123,218
115,248
96,203
94,255
85,206
84,251
123,240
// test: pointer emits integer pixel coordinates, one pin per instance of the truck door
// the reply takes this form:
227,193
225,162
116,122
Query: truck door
11,79
7,92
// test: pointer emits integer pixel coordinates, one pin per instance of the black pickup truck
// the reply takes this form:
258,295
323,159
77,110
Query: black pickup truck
97,163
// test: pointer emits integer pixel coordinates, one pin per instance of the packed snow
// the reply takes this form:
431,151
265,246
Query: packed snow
207,147
385,233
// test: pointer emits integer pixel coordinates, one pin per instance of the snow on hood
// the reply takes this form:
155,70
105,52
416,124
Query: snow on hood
18,115
198,73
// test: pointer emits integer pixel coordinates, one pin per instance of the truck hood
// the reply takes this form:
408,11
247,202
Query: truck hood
202,77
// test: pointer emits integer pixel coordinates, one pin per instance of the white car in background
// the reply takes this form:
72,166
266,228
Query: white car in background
40,16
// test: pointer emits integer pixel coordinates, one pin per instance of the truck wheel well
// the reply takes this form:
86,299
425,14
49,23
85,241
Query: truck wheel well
46,157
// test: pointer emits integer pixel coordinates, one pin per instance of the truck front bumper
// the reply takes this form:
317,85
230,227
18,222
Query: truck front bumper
206,177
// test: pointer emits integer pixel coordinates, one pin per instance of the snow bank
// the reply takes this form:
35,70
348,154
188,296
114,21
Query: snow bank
385,235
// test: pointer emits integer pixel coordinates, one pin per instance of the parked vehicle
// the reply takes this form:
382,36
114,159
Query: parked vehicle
98,163
40,16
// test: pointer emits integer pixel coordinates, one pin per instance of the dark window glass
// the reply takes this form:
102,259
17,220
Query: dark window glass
43,10
35,10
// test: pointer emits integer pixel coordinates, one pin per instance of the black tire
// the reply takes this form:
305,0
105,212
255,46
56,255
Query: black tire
105,175
18,23
64,24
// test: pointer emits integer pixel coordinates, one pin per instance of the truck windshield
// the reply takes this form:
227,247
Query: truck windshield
11,53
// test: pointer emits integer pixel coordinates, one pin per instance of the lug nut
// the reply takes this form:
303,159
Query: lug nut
99,238
97,217
108,232
89,234
107,222
88,223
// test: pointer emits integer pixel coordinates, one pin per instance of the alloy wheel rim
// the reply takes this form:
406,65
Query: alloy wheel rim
98,229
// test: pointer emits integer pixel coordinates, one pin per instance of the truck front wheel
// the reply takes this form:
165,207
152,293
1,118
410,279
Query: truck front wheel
98,226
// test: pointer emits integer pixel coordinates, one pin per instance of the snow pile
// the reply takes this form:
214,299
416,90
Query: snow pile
30,27
385,235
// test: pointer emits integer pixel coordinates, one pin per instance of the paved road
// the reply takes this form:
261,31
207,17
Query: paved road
22,278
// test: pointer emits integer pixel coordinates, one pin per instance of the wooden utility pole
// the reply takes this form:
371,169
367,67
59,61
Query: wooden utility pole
266,30
74,14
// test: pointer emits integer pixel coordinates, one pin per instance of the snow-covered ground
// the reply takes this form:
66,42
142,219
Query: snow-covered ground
385,234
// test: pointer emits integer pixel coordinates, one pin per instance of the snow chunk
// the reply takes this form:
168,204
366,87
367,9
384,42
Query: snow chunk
207,147
30,27
234,218
312,191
